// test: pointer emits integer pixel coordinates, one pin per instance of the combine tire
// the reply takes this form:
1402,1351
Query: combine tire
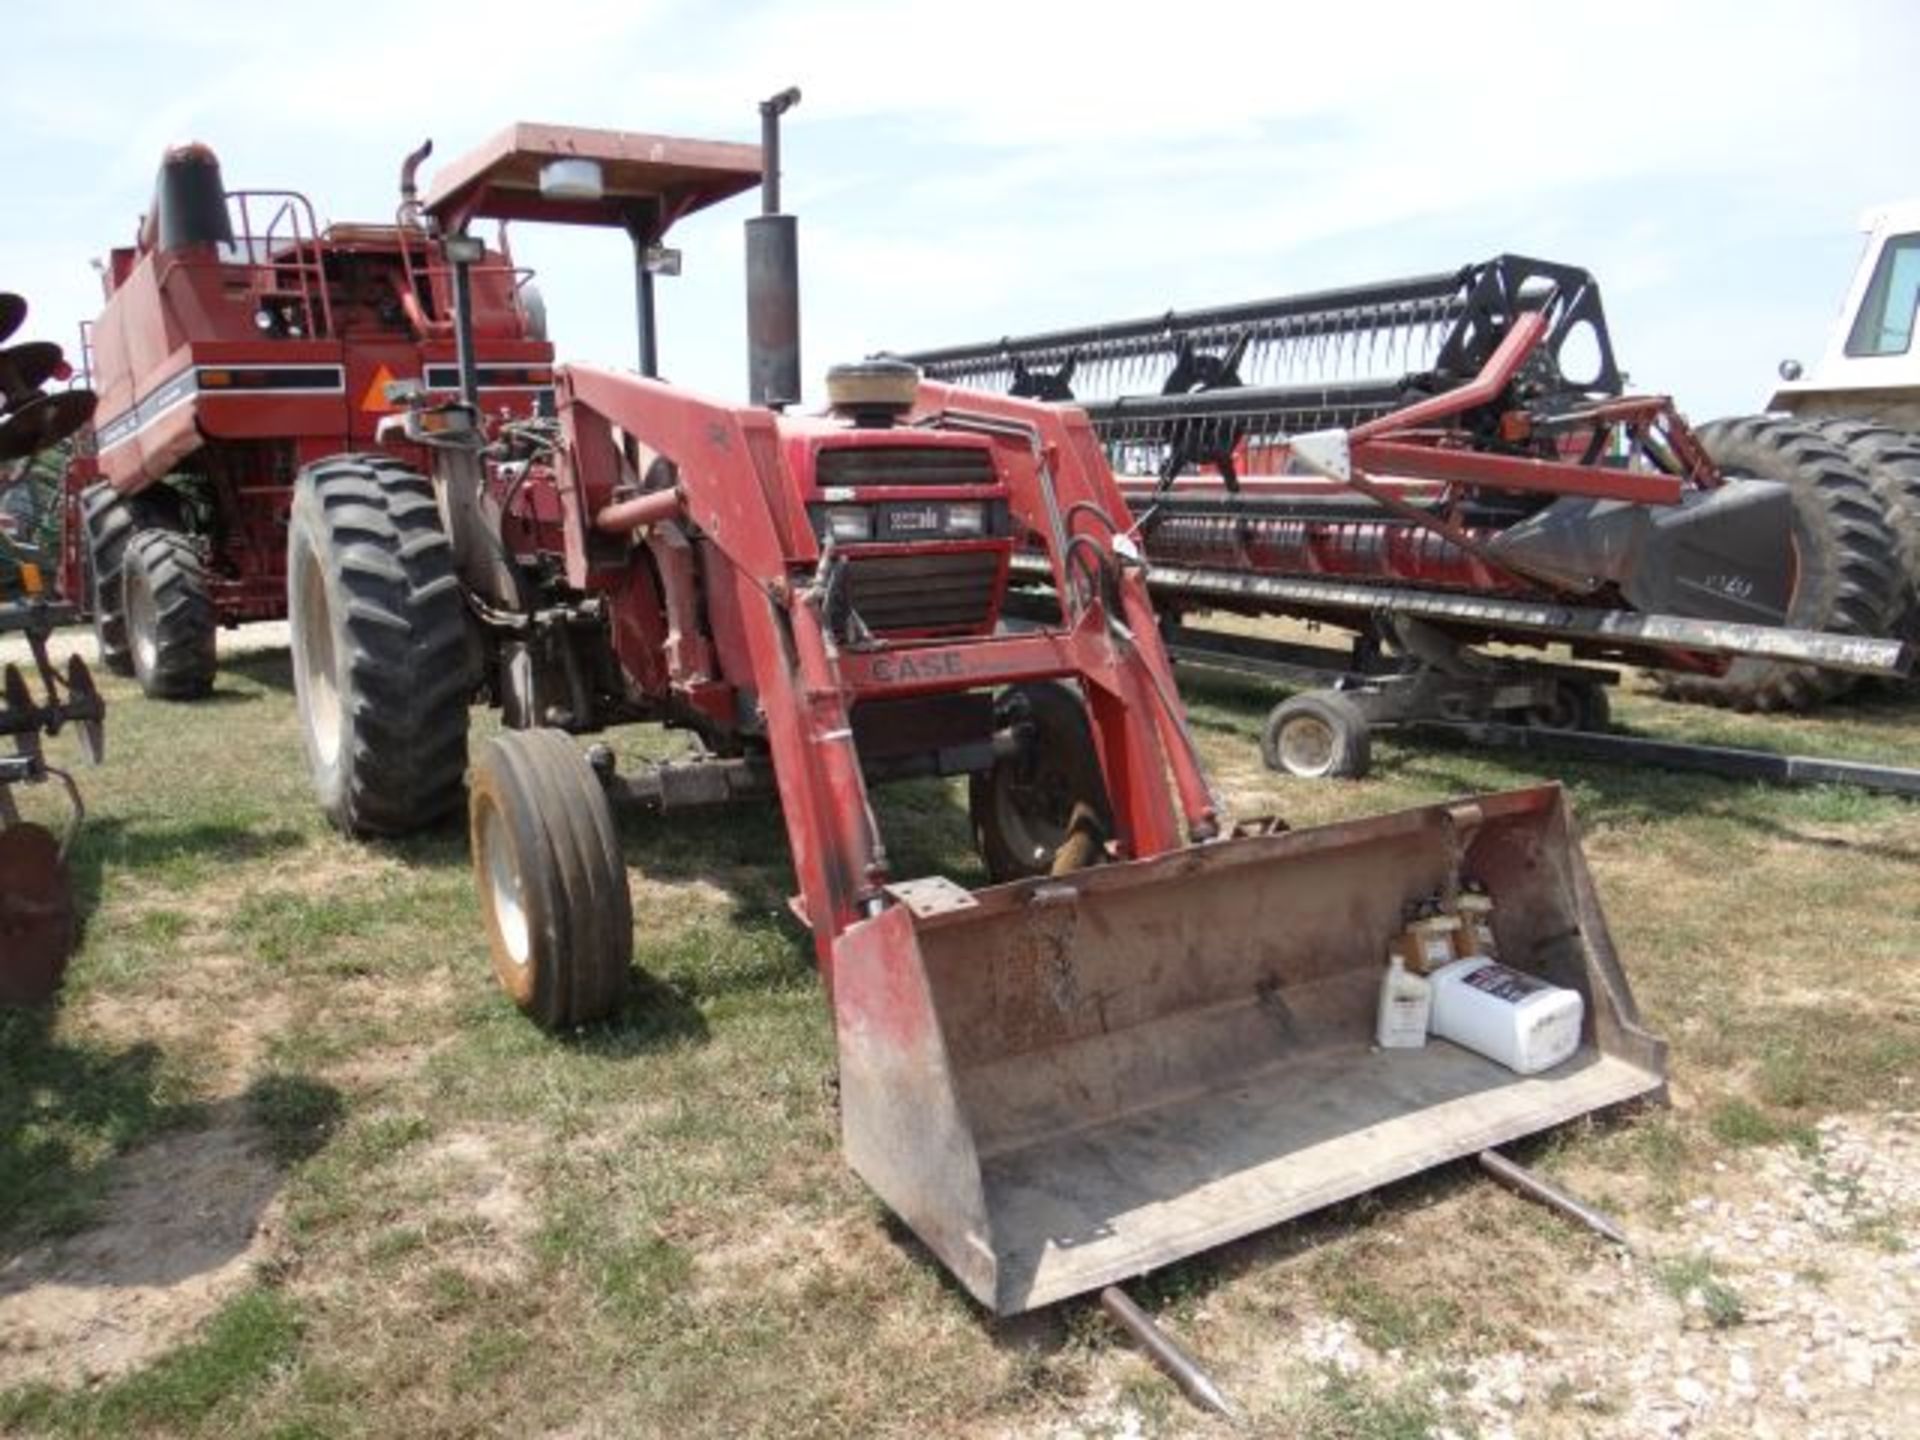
1890,459
167,614
381,670
553,885
107,523
1024,808
1849,576
1320,735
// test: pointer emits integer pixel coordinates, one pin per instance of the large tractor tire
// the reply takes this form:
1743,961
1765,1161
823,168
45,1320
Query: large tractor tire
382,675
107,524
1848,579
108,520
168,615
1028,807
553,885
1890,459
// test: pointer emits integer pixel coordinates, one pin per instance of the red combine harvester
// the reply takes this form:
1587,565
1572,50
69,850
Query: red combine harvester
1448,460
240,341
1154,1032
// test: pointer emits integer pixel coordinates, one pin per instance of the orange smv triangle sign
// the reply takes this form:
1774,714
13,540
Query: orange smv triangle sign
375,401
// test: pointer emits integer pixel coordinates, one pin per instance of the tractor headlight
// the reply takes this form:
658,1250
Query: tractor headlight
967,519
847,523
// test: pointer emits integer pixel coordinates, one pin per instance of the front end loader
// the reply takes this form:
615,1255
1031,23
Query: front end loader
1152,1032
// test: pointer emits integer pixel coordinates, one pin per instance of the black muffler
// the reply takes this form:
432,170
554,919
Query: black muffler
773,275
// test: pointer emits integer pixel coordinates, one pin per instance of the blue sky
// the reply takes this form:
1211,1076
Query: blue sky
966,171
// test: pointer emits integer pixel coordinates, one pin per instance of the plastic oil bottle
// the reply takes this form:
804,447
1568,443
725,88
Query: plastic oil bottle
1405,1001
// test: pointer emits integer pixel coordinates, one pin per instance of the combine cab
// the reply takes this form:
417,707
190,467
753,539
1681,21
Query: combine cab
240,341
1152,1033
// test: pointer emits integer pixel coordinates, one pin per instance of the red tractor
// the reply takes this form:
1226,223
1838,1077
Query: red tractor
241,341
1152,1034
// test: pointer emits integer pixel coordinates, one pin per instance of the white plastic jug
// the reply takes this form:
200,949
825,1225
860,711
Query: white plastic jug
1519,1020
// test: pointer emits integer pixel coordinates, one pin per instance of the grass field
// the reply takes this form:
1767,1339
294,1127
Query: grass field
396,1209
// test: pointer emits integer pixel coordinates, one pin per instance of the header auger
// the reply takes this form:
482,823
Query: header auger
1150,1034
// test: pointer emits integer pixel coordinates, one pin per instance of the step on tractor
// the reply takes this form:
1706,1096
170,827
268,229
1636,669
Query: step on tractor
1152,1032
38,921
1437,462
239,341
1863,394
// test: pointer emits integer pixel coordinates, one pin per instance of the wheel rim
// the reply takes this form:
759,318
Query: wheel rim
1035,810
142,620
1306,745
319,687
1563,712
503,888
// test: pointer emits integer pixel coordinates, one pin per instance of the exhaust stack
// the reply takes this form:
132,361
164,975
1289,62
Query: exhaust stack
190,199
773,275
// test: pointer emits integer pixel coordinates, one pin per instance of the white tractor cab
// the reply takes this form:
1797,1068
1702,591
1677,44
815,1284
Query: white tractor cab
1871,368
1845,440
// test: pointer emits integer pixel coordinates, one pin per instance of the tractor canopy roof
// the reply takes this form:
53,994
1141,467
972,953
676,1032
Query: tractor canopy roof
646,182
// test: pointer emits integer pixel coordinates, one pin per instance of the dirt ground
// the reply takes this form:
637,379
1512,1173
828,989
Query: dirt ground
280,1076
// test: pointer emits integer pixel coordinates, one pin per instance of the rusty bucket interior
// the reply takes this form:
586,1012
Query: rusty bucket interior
1061,1084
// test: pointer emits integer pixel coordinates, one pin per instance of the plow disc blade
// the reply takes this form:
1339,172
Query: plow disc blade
36,915
1061,1084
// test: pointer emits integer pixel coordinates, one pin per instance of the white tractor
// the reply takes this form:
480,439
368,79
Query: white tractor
1846,438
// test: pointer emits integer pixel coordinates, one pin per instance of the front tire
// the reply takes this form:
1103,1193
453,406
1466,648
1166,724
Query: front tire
107,524
1027,806
553,885
381,671
168,616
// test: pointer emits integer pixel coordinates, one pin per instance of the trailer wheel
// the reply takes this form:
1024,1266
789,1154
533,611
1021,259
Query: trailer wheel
1890,459
382,674
1316,736
1023,809
1576,705
1849,576
553,884
168,615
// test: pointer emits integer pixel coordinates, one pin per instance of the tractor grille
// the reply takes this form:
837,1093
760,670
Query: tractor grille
924,592
903,465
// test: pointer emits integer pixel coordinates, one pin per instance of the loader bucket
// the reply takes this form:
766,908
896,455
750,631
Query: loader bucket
1064,1083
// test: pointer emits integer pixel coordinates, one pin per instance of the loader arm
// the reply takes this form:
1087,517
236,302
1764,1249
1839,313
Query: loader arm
731,490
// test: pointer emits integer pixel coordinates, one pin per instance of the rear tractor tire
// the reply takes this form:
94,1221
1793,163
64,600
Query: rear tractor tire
1890,460
1320,735
167,614
1849,578
382,674
553,885
1046,806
